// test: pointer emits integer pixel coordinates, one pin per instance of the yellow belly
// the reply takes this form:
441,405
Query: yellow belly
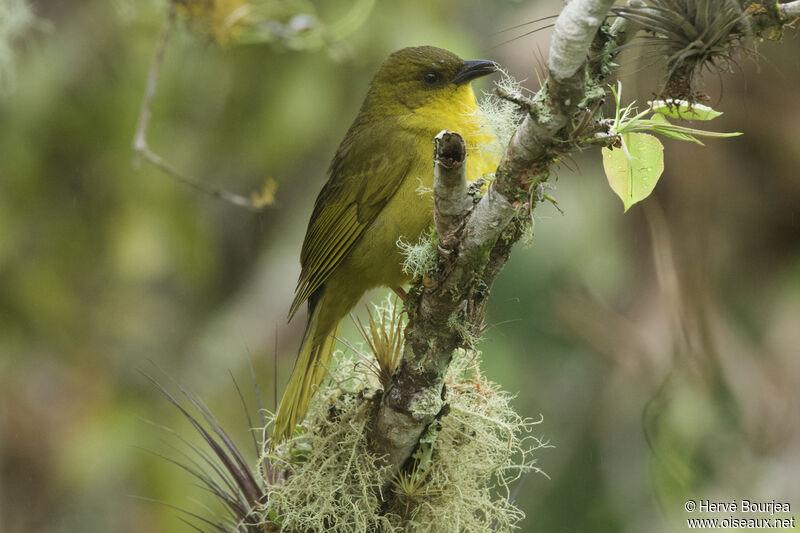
376,260
376,257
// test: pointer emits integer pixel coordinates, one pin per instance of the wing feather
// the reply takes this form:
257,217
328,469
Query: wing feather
364,175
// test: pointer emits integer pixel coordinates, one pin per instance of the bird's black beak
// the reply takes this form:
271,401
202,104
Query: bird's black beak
475,69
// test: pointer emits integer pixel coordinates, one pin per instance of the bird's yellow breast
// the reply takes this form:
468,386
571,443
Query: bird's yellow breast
410,211
455,110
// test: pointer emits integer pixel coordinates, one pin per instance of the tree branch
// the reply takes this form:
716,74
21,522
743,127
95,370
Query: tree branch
790,9
574,31
477,244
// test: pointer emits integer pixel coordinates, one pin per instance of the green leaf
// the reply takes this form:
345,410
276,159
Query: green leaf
667,131
683,109
634,178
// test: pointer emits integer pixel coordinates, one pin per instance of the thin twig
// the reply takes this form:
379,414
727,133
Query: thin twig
519,99
142,150
210,190
140,139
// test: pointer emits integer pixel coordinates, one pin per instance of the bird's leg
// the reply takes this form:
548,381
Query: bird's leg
400,293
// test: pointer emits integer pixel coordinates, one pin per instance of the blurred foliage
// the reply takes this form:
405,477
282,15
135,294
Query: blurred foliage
660,346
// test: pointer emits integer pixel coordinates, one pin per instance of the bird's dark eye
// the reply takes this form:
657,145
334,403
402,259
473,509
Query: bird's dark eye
431,78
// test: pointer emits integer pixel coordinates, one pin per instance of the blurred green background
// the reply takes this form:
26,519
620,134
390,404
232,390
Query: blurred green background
660,346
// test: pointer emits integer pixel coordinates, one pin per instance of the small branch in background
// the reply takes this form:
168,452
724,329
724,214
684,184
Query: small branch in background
254,204
140,139
142,151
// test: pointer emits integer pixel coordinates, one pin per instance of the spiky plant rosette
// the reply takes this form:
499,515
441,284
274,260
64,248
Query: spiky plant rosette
460,479
219,466
693,36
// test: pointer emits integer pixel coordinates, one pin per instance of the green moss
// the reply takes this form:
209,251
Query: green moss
594,93
483,447
502,116
528,232
480,257
461,480
544,113
423,456
420,258
459,323
476,189
337,487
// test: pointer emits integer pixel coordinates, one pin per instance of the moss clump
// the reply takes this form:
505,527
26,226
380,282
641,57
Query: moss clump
479,449
420,258
501,116
482,449
460,324
336,485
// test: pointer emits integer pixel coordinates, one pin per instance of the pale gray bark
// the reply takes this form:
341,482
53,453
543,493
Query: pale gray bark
791,9
449,186
476,245
574,31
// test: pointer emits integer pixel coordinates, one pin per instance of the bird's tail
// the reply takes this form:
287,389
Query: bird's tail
309,369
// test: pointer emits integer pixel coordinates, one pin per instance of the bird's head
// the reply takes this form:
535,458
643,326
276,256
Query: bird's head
424,76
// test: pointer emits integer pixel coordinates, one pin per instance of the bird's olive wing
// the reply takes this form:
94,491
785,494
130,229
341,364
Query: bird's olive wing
363,177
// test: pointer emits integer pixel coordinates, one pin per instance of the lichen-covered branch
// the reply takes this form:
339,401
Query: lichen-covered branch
790,9
445,307
477,246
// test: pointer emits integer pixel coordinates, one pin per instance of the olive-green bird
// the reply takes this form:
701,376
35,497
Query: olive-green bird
378,190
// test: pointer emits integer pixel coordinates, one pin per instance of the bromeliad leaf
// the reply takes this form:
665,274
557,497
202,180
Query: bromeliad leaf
633,171
659,124
682,109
